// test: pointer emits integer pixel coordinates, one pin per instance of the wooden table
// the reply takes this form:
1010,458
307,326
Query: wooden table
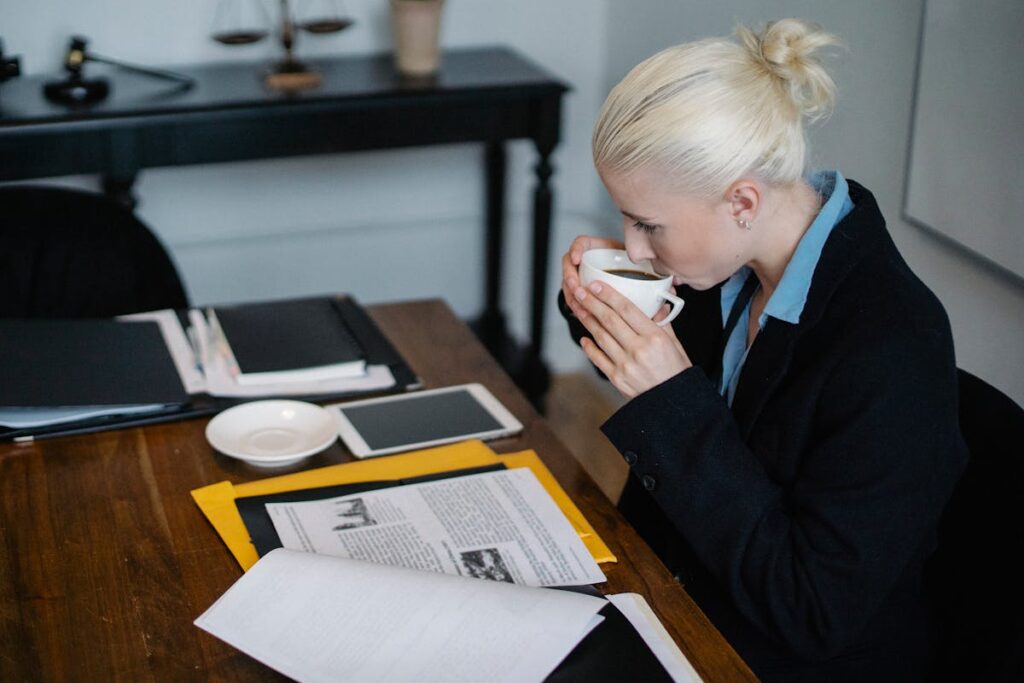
105,560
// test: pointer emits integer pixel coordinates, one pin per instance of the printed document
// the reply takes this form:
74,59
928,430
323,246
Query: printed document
319,618
501,526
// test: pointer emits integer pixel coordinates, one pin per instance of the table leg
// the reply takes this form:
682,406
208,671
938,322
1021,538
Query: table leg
122,166
492,321
535,375
119,188
524,364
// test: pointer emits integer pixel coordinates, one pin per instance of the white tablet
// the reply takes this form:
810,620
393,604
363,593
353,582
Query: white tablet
404,422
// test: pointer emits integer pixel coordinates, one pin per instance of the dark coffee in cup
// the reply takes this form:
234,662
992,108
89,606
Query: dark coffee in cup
634,280
633,274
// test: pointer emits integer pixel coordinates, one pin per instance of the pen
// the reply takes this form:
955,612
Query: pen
70,431
219,341
193,341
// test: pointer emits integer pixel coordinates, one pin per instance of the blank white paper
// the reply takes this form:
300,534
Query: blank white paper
321,618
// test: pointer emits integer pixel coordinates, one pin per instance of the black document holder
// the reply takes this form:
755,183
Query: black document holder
612,652
359,329
137,368
288,335
85,363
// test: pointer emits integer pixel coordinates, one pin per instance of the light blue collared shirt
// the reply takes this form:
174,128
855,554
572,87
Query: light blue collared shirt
788,299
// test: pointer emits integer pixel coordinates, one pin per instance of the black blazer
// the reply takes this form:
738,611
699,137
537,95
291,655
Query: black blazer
800,518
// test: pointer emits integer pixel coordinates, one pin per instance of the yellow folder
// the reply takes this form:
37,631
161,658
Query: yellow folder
217,501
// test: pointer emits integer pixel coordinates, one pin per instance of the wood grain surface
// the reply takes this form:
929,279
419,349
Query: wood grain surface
105,560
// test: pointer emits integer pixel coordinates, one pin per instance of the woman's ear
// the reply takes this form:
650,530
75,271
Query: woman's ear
744,200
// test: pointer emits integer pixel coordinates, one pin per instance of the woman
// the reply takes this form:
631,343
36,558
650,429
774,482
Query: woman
793,434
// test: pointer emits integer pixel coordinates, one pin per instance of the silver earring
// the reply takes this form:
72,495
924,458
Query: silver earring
745,224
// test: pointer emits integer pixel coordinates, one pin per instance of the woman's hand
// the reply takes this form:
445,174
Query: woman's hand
571,264
627,346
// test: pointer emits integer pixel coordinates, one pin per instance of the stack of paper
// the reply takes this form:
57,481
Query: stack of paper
312,347
442,579
218,501
18,417
221,374
206,366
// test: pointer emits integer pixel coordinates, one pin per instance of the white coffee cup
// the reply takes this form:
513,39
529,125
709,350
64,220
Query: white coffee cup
647,294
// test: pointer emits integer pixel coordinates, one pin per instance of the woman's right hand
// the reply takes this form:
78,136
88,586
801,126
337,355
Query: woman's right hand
571,264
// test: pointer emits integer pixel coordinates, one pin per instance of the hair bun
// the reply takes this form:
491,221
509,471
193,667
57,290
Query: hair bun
786,50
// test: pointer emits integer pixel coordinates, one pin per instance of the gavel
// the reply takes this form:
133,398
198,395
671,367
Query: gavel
77,89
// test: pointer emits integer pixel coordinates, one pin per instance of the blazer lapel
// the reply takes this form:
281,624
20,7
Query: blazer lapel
770,355
767,363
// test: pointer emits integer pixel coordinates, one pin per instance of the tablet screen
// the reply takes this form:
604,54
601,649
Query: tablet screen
419,419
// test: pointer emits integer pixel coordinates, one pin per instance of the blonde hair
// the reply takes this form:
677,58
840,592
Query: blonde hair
707,113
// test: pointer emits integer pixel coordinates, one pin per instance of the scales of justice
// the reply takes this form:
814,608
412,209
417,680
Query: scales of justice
241,22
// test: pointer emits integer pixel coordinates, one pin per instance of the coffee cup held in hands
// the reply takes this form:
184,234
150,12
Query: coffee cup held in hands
636,281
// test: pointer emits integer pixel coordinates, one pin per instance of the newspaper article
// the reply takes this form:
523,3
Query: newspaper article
501,526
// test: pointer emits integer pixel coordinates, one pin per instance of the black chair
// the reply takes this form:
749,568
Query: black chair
71,254
976,576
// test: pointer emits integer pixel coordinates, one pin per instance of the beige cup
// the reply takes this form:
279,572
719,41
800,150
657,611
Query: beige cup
416,25
644,287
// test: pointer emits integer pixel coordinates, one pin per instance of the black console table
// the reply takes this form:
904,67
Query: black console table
487,95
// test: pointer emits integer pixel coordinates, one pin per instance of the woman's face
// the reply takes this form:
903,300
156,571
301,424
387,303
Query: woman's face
696,241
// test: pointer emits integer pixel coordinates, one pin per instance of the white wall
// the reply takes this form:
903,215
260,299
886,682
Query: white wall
381,225
970,81
866,139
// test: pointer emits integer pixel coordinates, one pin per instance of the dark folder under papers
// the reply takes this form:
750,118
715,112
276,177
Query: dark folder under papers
46,363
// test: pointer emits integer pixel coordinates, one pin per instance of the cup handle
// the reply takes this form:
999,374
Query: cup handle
677,305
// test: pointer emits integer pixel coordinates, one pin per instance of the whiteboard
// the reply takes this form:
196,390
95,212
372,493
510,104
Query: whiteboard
966,161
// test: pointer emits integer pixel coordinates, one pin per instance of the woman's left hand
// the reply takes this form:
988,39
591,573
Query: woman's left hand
631,349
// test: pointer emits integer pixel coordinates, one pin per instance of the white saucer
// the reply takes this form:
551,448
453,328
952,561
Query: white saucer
272,433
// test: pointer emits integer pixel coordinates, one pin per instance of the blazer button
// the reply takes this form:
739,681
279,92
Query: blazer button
649,482
630,458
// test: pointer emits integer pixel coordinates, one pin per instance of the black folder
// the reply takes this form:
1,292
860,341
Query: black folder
349,321
289,335
46,363
612,652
